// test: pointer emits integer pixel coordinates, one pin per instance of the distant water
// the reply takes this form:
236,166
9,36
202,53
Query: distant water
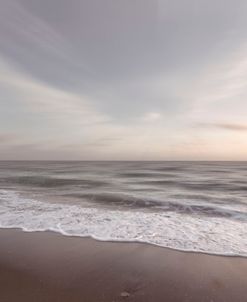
188,206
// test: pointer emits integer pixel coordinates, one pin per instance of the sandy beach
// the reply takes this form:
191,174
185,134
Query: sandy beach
46,266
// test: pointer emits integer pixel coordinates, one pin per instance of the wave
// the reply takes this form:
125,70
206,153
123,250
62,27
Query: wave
128,201
197,186
177,231
138,175
49,182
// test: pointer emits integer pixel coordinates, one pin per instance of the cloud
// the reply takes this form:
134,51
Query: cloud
110,79
7,138
44,99
234,127
225,126
127,60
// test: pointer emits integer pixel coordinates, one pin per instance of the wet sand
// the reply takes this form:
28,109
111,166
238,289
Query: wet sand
46,266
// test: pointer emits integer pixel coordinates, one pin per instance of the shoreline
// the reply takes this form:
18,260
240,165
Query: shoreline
48,266
125,242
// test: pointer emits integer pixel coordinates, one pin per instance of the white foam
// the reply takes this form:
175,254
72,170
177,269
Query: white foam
173,230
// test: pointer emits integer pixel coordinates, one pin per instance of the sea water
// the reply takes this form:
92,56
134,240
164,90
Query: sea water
191,206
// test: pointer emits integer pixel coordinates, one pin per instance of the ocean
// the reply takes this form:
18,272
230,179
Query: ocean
189,206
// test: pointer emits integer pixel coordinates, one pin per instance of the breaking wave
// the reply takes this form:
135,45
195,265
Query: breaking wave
168,229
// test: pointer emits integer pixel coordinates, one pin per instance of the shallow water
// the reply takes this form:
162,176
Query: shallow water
196,206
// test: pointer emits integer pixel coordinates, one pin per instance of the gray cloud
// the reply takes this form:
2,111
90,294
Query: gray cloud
7,138
121,79
102,48
233,127
224,126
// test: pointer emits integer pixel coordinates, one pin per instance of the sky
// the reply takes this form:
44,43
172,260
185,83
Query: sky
123,80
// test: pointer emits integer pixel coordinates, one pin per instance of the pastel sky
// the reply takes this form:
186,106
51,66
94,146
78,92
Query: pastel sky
123,79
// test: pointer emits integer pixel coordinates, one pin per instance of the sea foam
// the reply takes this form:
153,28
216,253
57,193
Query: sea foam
215,235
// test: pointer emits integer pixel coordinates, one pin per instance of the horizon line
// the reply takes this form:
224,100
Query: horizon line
99,160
